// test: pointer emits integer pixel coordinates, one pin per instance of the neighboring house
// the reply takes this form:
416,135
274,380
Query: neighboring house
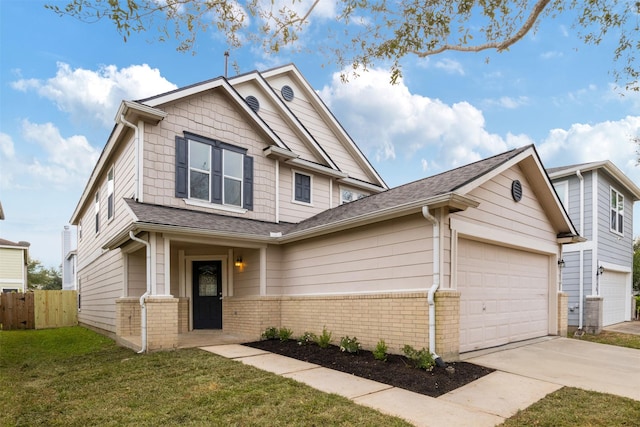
239,204
13,266
599,199
69,280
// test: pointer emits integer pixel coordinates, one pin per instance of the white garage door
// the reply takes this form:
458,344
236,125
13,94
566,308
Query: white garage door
613,290
504,295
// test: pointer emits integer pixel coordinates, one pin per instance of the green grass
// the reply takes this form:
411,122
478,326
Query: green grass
613,338
75,377
575,407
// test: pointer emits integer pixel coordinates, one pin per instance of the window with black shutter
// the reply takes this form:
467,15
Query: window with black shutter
302,187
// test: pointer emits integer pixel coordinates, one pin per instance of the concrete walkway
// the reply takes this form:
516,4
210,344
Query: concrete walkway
632,327
484,402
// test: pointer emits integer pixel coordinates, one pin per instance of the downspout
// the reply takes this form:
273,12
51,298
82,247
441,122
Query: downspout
143,307
581,272
137,155
436,284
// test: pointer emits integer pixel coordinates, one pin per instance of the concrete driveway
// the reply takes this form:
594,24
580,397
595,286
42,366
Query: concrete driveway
571,362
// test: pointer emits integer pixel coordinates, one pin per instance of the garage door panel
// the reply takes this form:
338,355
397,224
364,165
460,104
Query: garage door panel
504,295
613,287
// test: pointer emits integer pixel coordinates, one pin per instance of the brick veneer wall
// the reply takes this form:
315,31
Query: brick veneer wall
128,317
183,315
563,313
162,323
398,318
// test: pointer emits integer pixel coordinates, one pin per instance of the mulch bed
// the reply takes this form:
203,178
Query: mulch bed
396,371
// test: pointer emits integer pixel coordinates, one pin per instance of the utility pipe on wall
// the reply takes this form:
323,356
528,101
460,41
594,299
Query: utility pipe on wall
143,307
581,272
436,283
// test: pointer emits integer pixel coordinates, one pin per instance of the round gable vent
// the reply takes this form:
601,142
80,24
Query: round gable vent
516,190
287,93
253,102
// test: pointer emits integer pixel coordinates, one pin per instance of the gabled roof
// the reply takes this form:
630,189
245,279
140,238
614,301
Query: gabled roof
607,165
448,189
9,243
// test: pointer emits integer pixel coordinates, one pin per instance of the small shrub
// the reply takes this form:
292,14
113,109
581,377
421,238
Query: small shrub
271,333
380,352
284,334
420,359
350,345
307,338
324,339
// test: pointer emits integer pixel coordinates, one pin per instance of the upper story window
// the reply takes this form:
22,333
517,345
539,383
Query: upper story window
301,187
212,171
562,189
96,209
616,215
110,201
347,195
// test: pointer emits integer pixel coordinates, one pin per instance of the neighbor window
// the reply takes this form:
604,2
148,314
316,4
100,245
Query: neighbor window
562,189
302,187
96,208
347,195
215,172
617,212
110,194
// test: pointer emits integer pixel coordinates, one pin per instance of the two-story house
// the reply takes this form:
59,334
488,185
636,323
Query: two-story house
241,203
597,273
14,258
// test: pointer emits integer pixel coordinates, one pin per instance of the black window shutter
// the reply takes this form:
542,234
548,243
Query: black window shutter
216,175
302,188
248,183
182,167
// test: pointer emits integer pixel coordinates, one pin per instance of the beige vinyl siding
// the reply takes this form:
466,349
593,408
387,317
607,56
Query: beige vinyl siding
498,209
391,256
291,211
11,266
137,273
246,281
321,130
210,115
271,114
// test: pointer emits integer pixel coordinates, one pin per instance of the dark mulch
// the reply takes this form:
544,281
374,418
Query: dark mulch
396,371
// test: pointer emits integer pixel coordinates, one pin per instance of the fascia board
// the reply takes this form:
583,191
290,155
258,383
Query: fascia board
305,164
328,116
140,111
361,184
460,202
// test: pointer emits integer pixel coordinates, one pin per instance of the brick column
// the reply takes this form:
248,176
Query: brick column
448,324
563,313
162,323
127,317
593,315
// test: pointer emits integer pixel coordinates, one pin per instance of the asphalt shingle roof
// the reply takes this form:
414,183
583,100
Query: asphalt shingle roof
443,183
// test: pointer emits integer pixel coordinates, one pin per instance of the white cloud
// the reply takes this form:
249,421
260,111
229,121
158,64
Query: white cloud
95,95
448,65
388,121
551,54
507,102
61,163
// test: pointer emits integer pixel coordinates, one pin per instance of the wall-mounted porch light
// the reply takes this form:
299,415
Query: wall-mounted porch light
238,262
600,271
561,264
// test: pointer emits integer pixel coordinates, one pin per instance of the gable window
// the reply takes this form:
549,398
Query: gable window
301,187
616,212
110,201
96,208
214,172
347,195
562,189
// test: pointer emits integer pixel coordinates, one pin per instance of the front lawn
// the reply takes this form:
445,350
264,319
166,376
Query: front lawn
75,377
613,338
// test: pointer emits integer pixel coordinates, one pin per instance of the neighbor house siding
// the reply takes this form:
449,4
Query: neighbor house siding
392,256
210,115
612,247
571,285
11,264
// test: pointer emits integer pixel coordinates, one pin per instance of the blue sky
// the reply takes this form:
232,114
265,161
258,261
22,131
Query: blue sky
61,82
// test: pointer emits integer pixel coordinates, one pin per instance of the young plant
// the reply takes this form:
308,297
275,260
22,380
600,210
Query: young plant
350,345
380,352
420,359
307,338
271,333
325,339
284,334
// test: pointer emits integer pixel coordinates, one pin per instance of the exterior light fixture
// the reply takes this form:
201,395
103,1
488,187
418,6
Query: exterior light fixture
238,262
600,271
561,264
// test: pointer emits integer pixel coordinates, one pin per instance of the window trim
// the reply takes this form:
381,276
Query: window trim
619,213
96,210
111,203
293,188
564,198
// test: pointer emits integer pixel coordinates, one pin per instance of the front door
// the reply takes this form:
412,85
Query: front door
207,294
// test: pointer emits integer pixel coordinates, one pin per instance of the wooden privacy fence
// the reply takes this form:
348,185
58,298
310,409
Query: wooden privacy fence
38,309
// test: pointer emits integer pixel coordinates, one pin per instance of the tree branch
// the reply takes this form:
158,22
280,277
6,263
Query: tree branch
498,45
